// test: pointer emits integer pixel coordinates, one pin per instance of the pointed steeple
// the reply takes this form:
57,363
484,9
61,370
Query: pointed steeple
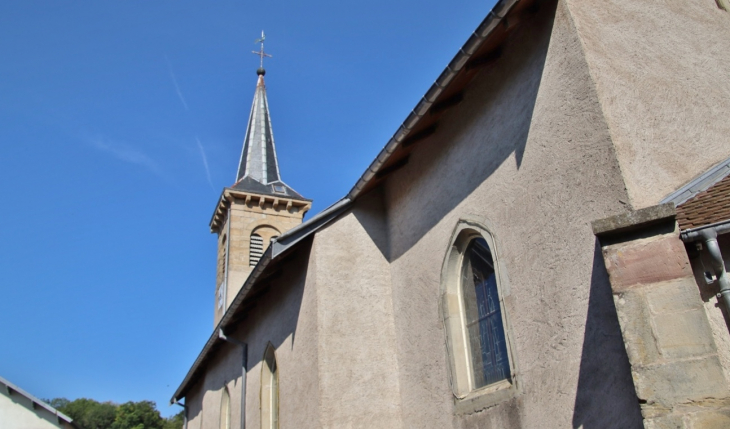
258,158
258,168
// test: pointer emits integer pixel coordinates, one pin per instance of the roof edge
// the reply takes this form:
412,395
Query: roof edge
36,401
699,184
478,37
284,242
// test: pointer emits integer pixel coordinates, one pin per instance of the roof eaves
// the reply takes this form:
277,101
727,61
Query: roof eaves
35,401
457,63
699,184
284,242
220,200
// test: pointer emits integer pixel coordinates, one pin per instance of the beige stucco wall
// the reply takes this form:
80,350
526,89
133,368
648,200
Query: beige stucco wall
16,412
529,152
359,384
542,144
286,316
661,73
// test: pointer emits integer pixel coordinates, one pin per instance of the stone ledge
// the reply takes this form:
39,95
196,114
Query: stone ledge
633,220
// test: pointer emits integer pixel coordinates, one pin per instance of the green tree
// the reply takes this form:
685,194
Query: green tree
57,403
87,413
137,415
175,422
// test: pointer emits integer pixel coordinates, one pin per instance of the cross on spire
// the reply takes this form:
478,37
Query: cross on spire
261,53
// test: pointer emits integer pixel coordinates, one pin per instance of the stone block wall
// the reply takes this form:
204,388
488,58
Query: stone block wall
248,214
675,365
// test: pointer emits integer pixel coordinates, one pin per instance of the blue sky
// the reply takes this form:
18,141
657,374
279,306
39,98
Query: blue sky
120,123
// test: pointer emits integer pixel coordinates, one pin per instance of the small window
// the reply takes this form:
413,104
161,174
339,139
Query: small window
279,189
478,343
269,390
255,250
225,418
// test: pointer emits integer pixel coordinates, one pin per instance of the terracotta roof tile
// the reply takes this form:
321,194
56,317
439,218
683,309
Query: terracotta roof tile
707,207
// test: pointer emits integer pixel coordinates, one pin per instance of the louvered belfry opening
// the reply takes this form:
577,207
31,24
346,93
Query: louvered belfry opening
256,249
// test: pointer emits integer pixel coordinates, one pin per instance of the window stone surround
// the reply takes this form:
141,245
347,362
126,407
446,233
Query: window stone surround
466,399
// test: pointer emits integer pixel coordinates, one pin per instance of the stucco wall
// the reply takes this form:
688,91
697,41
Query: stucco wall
593,108
358,368
16,412
529,152
286,316
661,73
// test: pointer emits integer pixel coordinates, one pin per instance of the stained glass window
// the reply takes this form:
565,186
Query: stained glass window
483,316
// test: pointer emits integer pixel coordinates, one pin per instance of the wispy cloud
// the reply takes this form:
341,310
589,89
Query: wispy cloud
126,153
174,82
205,163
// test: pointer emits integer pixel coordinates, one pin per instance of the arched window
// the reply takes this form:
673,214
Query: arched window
474,315
269,390
255,250
225,419
483,316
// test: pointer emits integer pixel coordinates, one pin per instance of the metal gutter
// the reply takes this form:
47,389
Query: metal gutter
690,235
244,371
284,242
11,389
457,63
708,236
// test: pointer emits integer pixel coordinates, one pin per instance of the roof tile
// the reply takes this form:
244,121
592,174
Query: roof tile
707,207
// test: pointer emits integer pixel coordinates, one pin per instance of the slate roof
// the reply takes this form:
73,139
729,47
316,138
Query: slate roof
274,189
258,168
707,207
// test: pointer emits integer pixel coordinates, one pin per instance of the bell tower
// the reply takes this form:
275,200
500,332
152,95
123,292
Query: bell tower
257,208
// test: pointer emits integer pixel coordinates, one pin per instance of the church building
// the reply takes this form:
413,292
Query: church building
541,244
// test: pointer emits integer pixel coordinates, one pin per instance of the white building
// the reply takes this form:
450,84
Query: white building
21,410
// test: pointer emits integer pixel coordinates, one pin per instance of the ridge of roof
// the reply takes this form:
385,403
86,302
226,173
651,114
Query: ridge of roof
35,401
699,184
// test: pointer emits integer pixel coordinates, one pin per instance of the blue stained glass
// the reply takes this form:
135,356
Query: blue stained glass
490,362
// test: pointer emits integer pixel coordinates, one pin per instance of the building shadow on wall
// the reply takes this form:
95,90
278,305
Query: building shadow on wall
606,397
476,137
269,315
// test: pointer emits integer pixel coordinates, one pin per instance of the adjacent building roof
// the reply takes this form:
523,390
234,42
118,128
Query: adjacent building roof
258,168
705,200
699,184
12,389
707,207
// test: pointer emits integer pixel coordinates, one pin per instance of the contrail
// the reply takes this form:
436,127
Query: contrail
205,163
126,153
174,82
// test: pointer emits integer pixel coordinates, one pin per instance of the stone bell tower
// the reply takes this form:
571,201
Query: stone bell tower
257,208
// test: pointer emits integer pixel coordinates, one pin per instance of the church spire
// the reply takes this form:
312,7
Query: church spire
258,157
258,168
